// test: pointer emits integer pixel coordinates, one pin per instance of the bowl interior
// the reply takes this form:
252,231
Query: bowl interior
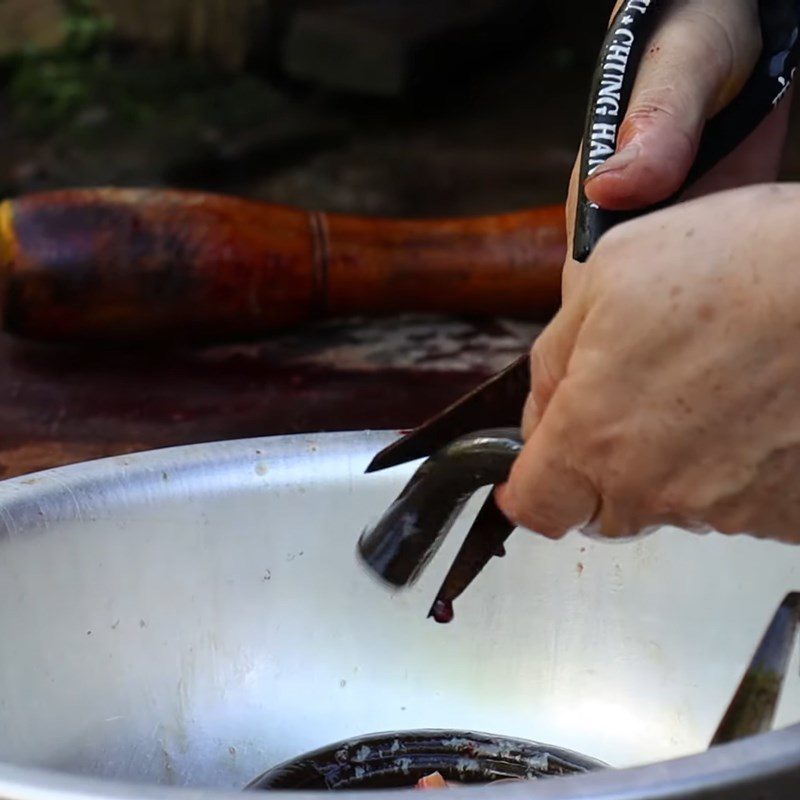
196,616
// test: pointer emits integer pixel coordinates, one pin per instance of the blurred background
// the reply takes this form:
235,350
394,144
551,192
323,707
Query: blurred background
413,108
391,107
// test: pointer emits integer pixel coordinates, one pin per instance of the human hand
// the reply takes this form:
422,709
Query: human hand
698,60
667,389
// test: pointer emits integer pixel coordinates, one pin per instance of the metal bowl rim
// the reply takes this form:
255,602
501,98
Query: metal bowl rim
726,771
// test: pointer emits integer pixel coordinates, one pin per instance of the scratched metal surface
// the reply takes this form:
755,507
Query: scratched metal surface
60,405
192,617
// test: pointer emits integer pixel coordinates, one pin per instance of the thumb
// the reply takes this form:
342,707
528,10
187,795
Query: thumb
697,61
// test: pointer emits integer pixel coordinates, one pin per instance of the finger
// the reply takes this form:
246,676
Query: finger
572,268
545,492
550,356
698,60
756,160
531,415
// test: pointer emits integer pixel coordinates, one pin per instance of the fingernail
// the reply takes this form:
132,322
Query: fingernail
617,162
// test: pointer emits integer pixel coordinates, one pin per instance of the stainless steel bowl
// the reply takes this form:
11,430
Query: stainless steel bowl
191,617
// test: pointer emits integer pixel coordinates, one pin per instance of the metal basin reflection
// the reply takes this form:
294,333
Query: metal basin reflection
197,615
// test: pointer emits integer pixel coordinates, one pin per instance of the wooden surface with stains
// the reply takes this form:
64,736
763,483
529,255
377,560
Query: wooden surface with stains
66,404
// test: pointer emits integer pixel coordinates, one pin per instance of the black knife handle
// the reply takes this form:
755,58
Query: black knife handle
621,54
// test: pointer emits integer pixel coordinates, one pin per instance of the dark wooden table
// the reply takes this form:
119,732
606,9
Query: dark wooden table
65,404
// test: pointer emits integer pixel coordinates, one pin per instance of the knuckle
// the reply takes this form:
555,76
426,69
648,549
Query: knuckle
549,531
547,525
731,521
612,522
612,245
656,505
717,42
731,33
652,106
627,514
526,513
626,479
697,62
531,415
589,428
675,112
509,504
615,267
543,380
686,502
665,502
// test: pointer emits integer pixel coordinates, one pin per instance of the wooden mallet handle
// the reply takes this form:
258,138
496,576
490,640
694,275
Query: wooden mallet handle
110,265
